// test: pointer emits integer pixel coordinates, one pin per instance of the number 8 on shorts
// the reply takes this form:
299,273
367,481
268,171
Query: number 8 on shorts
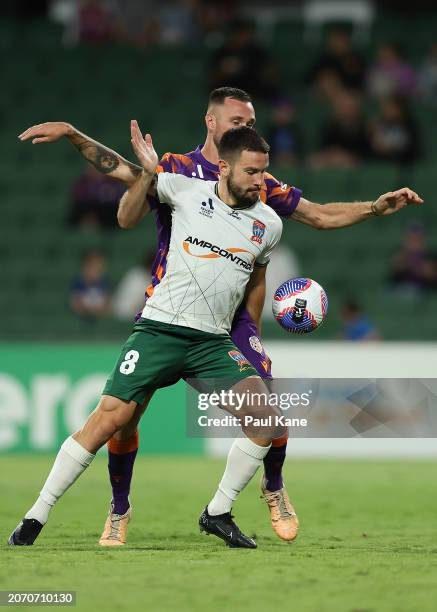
130,361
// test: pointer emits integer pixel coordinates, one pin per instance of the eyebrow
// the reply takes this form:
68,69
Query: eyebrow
256,169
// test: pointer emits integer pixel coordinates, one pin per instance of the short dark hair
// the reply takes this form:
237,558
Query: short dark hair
219,95
239,139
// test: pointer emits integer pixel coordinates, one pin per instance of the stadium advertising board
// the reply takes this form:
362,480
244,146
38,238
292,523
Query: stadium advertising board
47,391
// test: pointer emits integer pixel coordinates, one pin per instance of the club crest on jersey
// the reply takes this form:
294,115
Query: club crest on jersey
258,231
240,359
256,345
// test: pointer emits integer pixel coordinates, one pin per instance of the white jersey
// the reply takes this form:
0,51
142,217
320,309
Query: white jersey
213,249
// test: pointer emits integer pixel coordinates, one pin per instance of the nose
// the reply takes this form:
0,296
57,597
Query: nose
257,180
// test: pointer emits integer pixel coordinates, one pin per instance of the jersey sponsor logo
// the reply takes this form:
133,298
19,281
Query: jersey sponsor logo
241,360
258,231
217,251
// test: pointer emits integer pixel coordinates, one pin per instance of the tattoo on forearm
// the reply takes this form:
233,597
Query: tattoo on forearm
136,170
103,159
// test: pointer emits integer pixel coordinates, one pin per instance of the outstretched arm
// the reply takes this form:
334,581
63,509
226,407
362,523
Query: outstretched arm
133,204
336,215
103,159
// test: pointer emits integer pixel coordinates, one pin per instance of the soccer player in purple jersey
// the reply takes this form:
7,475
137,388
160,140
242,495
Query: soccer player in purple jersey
227,108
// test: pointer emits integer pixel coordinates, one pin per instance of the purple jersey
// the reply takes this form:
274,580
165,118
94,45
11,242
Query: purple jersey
282,198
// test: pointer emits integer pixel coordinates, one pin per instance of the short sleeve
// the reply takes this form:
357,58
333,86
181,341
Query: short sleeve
264,257
282,198
165,187
173,164
169,185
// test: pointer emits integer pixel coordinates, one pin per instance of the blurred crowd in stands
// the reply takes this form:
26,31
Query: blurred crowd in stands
142,22
368,113
367,101
91,295
369,116
413,270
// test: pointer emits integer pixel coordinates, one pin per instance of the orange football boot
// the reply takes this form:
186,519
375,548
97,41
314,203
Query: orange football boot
282,515
115,530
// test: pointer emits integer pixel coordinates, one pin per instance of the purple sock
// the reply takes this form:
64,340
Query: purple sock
120,468
273,462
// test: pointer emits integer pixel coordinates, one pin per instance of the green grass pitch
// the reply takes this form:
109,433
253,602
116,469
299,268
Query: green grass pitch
367,541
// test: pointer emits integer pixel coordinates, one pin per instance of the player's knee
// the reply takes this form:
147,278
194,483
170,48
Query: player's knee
281,440
112,414
126,433
265,423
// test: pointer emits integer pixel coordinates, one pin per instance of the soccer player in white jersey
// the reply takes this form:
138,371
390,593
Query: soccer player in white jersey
222,238
227,107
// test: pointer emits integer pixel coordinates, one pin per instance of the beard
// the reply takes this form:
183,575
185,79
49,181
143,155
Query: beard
245,197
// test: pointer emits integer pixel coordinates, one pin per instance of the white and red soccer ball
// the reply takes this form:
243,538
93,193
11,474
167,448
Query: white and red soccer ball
300,305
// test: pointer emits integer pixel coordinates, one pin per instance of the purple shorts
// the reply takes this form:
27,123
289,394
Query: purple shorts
244,334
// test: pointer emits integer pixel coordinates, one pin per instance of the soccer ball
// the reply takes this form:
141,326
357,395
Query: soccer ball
300,305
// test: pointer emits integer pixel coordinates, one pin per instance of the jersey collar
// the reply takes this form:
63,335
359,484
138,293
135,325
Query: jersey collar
204,162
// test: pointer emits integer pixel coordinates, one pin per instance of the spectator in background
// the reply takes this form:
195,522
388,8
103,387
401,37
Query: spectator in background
344,137
338,66
89,291
392,74
178,22
241,62
95,22
94,200
284,134
128,298
413,267
394,136
356,325
428,76
137,21
214,17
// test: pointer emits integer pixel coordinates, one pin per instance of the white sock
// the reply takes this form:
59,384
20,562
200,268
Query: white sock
244,459
71,460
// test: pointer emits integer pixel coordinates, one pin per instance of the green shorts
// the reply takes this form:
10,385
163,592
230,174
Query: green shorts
158,355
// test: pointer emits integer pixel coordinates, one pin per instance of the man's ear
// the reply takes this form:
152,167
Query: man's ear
224,168
210,121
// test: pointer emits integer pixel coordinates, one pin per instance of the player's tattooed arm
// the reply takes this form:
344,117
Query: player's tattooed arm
105,160
343,214
255,294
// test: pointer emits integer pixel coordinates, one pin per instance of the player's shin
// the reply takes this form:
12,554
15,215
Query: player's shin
273,463
71,460
121,459
244,459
